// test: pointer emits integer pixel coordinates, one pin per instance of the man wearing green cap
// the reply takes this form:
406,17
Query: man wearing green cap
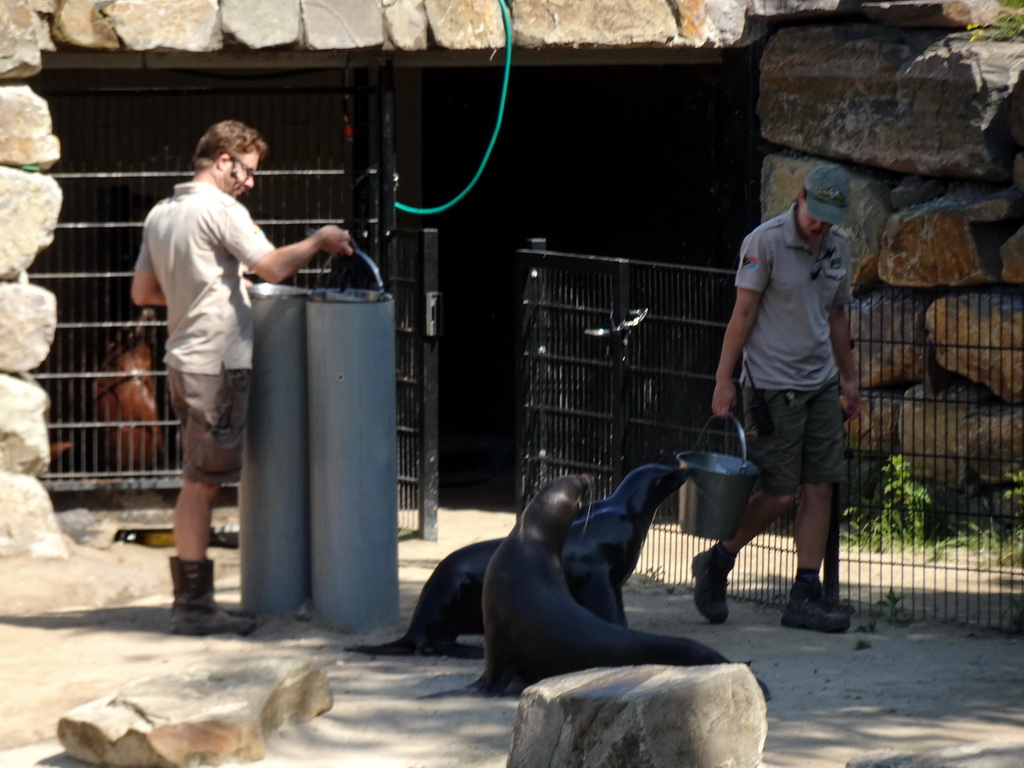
798,375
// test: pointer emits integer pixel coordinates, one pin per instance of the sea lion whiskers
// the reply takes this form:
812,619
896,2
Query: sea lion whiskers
587,500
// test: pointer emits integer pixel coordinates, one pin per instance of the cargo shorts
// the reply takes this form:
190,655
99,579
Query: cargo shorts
807,443
213,411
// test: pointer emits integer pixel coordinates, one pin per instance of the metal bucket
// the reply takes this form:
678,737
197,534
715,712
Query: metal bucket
714,497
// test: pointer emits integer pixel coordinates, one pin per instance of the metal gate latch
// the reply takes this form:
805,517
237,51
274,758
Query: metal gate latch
636,317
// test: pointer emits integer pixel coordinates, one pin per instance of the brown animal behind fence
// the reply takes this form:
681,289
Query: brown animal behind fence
129,396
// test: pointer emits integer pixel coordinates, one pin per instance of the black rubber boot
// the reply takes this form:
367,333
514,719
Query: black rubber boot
194,611
807,610
710,581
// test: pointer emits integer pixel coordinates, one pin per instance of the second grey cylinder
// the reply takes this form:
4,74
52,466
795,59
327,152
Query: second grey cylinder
353,457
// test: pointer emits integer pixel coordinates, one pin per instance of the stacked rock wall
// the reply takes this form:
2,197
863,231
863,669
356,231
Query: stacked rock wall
29,204
927,122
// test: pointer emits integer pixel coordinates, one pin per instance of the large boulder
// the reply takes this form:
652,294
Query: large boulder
953,240
216,713
642,717
28,323
330,25
24,442
880,96
875,432
931,428
80,23
28,525
604,22
466,24
888,328
949,14
994,437
980,335
19,41
405,22
30,203
26,130
262,23
175,25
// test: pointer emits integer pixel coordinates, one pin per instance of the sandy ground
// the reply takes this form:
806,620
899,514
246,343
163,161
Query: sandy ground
76,630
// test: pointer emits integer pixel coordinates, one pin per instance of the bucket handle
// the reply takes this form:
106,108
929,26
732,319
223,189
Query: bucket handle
739,431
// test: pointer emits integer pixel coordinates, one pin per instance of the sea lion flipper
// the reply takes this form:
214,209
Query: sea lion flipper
403,646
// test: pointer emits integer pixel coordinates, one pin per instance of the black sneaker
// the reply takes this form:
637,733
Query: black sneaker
711,579
807,610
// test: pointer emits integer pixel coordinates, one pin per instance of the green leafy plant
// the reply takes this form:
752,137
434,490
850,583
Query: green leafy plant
891,604
1016,494
1011,546
900,522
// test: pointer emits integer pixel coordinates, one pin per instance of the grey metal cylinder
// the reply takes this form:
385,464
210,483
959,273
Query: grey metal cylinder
353,457
273,493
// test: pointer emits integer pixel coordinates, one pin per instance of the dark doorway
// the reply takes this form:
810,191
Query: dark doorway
650,162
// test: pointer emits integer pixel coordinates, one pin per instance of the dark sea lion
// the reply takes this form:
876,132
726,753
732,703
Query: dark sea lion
600,554
534,629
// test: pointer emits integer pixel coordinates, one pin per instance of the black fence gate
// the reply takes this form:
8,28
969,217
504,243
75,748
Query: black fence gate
616,369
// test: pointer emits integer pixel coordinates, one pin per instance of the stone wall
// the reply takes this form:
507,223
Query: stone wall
927,119
929,123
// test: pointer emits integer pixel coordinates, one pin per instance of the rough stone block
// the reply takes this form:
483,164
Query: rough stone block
175,25
209,715
949,14
28,324
31,203
978,335
26,131
24,441
642,717
28,524
862,92
889,327
19,41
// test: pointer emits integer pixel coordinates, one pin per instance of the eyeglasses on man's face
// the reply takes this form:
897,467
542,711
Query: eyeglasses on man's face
250,173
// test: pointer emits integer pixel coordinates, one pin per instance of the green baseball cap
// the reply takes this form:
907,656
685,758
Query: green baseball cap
828,193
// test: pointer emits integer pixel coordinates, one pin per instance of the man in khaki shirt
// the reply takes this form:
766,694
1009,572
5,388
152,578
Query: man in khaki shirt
790,332
196,245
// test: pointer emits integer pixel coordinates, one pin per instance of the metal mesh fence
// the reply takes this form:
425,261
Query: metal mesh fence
932,513
123,149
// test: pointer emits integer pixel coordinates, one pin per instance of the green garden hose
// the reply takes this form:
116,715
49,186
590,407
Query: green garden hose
494,136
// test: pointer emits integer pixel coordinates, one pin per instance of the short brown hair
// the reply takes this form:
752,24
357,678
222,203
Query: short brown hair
227,136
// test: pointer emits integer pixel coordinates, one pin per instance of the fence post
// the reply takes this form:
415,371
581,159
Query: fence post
525,302
830,581
429,468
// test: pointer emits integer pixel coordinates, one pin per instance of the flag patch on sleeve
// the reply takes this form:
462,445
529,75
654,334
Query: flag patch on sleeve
749,262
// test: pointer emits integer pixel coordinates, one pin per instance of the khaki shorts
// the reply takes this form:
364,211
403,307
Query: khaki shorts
212,410
807,445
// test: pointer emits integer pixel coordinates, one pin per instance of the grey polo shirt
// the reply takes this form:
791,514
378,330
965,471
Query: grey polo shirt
789,346
196,243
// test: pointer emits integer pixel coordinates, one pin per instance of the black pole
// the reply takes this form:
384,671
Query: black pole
830,582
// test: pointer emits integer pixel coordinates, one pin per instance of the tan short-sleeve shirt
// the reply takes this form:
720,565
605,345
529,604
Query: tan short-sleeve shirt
196,243
789,346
